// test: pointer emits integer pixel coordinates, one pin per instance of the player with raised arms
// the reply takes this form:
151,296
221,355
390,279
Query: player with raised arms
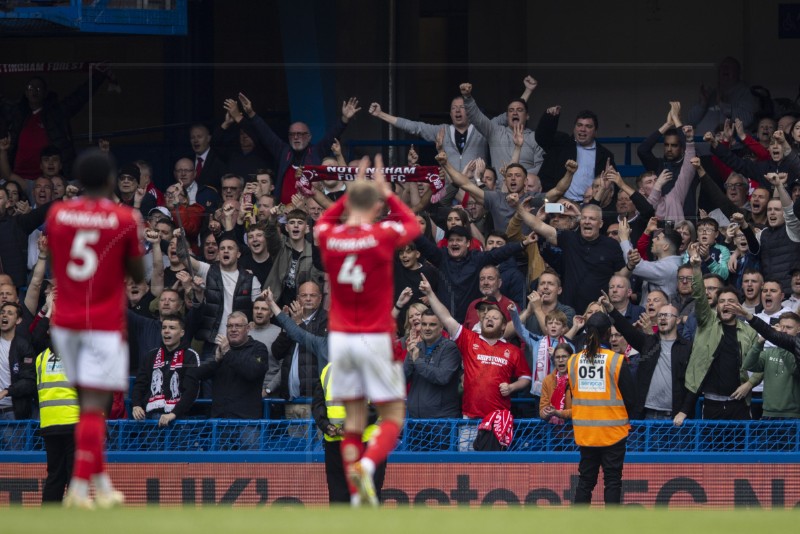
358,255
94,244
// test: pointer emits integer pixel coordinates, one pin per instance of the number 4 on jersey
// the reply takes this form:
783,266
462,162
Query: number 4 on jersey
352,274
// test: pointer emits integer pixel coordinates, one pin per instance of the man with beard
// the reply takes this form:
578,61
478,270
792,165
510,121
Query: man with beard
590,259
164,389
673,159
661,272
501,136
715,366
663,358
489,284
298,151
778,248
493,368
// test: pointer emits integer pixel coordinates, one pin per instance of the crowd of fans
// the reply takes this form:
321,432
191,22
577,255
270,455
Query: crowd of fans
535,231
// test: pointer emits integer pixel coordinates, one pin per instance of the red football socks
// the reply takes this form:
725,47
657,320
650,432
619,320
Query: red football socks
90,433
352,448
383,442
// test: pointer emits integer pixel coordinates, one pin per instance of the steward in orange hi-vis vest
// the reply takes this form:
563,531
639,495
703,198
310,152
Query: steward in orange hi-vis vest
603,394
599,417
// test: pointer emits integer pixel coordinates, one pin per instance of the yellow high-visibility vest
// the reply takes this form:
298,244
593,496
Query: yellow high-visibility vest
58,400
336,412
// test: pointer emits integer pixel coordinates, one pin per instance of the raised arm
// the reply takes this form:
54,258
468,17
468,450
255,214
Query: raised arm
157,276
536,224
571,167
37,277
441,311
686,174
459,179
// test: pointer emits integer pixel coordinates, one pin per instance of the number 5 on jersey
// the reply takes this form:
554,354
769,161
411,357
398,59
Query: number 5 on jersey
81,250
352,274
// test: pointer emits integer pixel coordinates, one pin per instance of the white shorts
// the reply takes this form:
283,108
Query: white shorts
92,358
363,366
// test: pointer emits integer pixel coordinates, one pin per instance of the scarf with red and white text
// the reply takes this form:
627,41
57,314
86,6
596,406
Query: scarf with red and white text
316,173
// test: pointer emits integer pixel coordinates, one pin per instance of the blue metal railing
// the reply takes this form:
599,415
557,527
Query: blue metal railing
421,435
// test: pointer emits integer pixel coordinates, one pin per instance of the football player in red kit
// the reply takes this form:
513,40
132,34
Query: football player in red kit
94,244
358,255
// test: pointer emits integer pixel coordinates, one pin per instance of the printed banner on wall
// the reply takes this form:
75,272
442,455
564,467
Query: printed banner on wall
769,486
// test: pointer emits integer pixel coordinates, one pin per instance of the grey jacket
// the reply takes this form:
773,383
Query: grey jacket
433,391
475,147
501,140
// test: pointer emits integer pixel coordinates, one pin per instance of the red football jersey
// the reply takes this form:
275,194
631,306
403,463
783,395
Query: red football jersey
89,241
359,261
487,366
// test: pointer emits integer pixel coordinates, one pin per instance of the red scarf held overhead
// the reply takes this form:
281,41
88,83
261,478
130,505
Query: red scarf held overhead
315,173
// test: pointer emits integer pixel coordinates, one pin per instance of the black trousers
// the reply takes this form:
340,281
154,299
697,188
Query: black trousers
611,458
60,449
338,492
732,410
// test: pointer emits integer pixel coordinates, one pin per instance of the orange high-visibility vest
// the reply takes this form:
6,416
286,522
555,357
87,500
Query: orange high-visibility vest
599,417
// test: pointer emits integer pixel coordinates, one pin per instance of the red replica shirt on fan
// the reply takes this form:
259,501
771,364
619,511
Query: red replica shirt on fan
486,366
360,263
89,241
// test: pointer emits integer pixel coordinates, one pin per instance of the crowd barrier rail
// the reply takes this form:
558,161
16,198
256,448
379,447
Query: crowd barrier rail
419,436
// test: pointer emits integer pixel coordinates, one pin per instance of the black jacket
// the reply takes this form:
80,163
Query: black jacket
188,386
211,314
778,254
559,148
237,381
308,369
22,390
14,232
649,347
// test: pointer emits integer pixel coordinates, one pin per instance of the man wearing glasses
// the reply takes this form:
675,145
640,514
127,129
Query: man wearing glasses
298,151
185,174
237,370
663,358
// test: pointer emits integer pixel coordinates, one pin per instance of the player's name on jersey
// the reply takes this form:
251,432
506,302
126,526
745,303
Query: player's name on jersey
353,243
84,219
